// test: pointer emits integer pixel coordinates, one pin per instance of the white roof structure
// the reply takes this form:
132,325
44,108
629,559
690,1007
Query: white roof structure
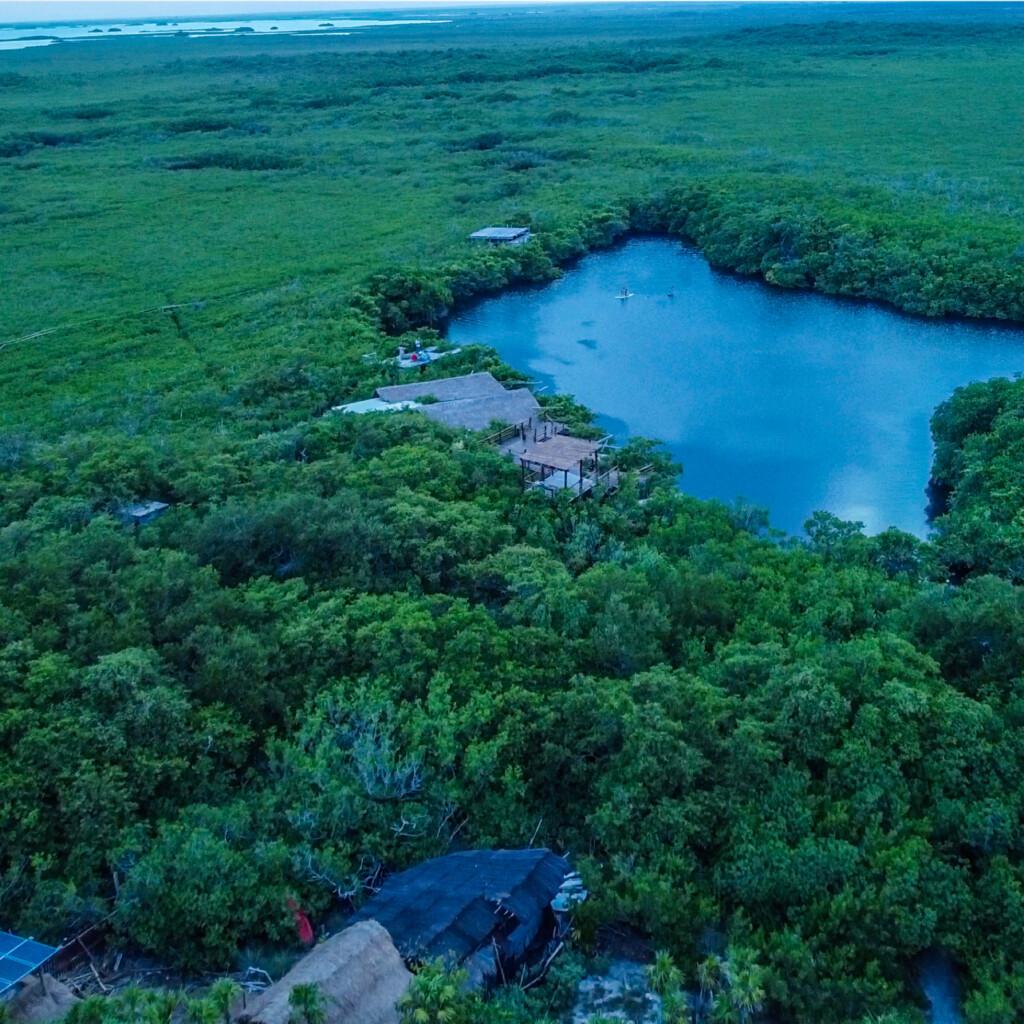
142,511
374,405
444,389
501,234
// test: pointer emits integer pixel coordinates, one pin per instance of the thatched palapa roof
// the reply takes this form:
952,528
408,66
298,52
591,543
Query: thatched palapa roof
561,451
40,1000
444,389
358,972
473,401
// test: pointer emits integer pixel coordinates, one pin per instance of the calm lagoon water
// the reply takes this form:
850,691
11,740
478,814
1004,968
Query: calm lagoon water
791,400
17,37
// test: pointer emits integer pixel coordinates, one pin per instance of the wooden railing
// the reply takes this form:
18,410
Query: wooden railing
505,434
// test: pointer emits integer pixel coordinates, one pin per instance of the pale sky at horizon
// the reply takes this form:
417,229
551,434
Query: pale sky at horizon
83,10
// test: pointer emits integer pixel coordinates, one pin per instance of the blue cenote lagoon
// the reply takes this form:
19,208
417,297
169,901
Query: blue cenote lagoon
790,400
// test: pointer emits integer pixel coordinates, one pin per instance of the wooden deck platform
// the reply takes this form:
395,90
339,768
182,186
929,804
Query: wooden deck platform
575,485
554,461
561,452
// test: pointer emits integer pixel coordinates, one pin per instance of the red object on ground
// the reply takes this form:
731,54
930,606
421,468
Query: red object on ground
302,925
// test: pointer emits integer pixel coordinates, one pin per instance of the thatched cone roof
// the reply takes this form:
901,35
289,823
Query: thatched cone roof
41,1001
358,971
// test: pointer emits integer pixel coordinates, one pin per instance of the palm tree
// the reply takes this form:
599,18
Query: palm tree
433,997
201,1011
746,991
307,1005
91,1010
131,1004
712,975
223,994
663,974
160,1007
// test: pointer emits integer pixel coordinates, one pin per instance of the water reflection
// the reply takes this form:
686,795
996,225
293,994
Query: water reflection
791,400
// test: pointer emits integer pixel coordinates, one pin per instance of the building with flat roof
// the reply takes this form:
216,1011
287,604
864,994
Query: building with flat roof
502,236
142,512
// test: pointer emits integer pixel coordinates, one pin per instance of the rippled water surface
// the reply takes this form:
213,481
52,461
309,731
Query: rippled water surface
791,400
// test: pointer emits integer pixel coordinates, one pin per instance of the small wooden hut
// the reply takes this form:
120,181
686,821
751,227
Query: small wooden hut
502,236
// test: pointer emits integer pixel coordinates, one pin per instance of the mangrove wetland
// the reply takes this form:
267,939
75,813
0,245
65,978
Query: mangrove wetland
353,642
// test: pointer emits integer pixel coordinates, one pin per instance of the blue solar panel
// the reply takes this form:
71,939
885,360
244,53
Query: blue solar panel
20,957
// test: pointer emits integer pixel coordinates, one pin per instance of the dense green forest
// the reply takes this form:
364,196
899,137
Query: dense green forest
353,641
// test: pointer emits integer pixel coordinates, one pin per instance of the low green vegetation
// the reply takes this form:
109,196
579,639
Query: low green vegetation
353,642
259,180
135,1005
307,1004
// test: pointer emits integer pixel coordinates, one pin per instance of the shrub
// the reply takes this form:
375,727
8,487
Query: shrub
231,161
90,113
197,124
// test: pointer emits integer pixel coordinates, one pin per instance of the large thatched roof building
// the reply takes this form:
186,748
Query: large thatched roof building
473,401
358,972
488,910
